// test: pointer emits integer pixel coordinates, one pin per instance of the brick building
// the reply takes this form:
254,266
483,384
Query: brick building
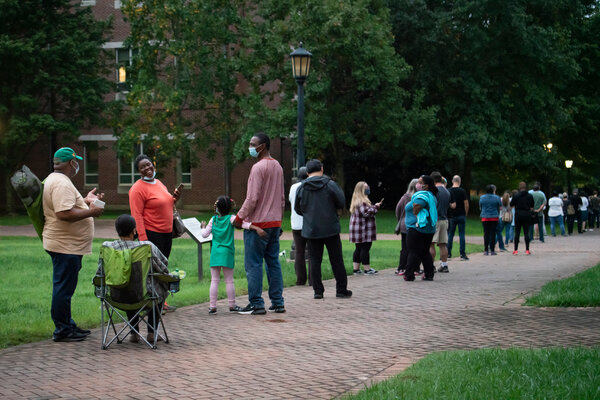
102,168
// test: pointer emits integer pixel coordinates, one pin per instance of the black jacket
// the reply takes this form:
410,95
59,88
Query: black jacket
317,200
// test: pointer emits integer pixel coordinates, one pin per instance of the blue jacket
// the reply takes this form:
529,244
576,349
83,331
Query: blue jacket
426,220
489,205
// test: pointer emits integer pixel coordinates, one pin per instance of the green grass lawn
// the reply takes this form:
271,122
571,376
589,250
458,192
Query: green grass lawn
550,373
26,284
580,290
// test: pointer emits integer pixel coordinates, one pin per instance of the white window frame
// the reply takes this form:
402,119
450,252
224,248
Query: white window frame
133,175
86,173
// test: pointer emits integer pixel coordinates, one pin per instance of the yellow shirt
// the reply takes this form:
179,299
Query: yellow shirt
63,236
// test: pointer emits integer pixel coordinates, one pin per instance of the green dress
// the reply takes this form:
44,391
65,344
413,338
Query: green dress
222,253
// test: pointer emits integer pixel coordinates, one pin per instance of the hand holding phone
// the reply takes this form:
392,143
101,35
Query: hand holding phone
177,191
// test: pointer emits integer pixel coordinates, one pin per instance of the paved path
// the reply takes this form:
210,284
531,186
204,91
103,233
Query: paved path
321,349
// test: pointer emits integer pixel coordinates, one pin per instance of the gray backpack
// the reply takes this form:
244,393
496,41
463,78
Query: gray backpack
30,190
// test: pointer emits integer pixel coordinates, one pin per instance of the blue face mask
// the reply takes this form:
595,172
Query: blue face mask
253,152
367,191
150,179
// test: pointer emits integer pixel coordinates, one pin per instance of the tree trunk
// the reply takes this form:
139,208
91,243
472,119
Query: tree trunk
466,178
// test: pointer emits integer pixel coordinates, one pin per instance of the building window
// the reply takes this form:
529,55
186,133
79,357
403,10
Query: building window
123,58
88,2
127,172
90,163
186,167
117,4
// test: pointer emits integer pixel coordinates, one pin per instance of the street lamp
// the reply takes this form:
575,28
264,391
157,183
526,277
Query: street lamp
569,164
300,68
548,147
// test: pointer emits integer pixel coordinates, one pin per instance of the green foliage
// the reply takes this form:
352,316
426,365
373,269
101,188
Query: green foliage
52,66
581,290
549,373
185,79
355,102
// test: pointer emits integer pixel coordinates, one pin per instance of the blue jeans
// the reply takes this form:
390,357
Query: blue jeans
499,230
540,223
459,221
558,220
65,273
509,232
255,250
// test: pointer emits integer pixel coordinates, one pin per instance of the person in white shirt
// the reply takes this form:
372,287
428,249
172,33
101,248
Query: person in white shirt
299,241
556,214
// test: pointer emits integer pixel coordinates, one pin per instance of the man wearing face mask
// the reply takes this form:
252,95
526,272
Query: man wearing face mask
264,205
67,236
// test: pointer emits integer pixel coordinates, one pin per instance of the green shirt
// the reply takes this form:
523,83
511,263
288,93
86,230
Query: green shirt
222,253
538,200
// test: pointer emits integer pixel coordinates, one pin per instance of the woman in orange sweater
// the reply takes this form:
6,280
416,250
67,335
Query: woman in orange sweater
151,205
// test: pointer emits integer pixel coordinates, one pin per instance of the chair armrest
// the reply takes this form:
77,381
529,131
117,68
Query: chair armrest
98,280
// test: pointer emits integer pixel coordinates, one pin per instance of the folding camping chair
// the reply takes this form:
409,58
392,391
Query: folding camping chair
121,287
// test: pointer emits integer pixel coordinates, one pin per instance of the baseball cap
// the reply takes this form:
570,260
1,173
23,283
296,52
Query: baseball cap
66,154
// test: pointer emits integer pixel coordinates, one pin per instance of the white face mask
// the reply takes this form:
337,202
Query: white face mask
150,179
76,168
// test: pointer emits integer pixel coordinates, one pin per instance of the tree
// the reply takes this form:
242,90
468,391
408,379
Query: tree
52,76
187,87
355,104
497,70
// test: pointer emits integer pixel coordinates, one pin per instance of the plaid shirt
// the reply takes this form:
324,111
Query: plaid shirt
159,263
362,224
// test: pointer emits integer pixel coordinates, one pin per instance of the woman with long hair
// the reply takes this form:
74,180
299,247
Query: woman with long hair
401,227
362,227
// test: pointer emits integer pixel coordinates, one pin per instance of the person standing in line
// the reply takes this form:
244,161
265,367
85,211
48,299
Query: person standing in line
401,227
539,203
421,219
222,251
264,205
445,201
583,210
299,241
152,205
318,200
67,236
504,221
363,230
458,217
555,213
595,205
523,205
490,205
576,203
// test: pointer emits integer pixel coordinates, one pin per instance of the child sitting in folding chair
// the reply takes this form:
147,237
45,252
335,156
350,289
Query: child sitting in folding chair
126,229
222,252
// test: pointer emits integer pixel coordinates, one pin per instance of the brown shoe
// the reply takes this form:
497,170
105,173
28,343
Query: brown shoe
134,337
150,338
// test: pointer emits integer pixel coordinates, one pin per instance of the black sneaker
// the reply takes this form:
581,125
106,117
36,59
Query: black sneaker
424,278
212,311
443,268
318,295
277,309
235,309
344,295
85,332
357,272
70,337
371,271
464,257
252,310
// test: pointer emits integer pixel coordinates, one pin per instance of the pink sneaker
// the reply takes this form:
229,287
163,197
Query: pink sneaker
515,253
527,252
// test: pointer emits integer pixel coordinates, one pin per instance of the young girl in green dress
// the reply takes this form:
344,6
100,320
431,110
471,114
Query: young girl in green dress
222,253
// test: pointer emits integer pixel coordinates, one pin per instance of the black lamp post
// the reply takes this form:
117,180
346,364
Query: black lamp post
569,164
300,68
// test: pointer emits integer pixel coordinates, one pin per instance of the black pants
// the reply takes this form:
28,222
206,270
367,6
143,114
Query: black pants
418,252
361,253
570,223
299,258
579,222
336,259
163,241
489,235
403,253
151,319
522,221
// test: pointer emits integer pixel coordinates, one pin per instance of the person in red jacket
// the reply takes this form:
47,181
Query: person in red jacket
151,205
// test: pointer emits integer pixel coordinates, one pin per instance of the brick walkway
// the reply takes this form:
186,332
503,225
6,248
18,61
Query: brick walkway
321,349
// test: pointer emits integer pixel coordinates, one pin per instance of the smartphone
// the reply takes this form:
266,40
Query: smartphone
180,187
99,203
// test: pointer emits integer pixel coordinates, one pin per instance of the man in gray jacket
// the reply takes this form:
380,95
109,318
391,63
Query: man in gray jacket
318,200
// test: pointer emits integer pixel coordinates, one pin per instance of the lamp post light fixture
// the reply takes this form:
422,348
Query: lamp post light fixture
569,165
300,69
548,147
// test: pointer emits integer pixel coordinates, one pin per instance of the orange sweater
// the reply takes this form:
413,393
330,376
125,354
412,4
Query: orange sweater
152,207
